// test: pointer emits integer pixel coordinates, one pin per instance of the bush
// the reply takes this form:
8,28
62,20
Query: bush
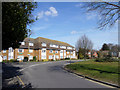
45,60
25,59
107,59
5,61
11,60
66,59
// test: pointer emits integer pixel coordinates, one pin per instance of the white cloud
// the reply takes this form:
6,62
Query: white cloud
54,12
51,12
83,31
74,32
47,13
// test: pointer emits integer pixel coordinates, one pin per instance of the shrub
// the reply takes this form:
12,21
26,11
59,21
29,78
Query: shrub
67,58
45,60
107,59
5,61
11,60
25,59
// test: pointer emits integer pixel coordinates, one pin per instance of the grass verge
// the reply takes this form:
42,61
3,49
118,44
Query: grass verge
104,71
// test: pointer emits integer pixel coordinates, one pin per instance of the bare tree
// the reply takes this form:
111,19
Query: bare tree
108,11
85,44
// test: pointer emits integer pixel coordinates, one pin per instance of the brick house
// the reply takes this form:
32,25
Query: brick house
42,48
92,53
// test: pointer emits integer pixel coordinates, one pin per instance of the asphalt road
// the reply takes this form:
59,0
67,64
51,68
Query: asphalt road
51,75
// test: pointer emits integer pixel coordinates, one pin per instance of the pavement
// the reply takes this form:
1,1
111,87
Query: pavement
50,75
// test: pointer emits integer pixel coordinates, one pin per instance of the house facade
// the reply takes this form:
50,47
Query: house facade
42,48
92,53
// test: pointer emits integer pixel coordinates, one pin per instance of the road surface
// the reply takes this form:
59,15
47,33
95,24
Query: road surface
52,75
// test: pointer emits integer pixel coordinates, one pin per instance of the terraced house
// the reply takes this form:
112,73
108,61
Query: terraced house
42,48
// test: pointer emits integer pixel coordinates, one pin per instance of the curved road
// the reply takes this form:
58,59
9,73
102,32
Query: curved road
51,75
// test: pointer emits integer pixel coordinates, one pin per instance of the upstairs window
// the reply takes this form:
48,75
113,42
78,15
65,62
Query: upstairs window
51,51
22,43
4,57
67,52
43,51
69,47
43,44
30,44
61,51
54,45
56,51
4,51
20,50
64,47
30,50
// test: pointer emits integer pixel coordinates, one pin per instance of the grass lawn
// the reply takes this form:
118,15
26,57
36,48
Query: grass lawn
105,71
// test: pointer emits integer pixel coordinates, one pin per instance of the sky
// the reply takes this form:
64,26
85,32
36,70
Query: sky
67,22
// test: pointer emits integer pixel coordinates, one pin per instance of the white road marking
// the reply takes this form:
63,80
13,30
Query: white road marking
34,65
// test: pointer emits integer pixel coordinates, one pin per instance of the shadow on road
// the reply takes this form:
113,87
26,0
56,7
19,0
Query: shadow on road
9,76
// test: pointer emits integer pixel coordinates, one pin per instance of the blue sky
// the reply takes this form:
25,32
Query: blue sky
66,22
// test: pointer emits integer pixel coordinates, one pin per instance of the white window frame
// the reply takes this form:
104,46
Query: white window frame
64,47
4,57
68,52
56,51
43,44
4,51
69,47
30,50
22,57
50,57
31,44
30,57
57,56
50,51
21,49
22,43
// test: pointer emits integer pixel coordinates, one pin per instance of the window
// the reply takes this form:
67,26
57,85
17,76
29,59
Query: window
43,44
56,51
20,50
4,57
22,43
67,52
61,51
57,56
20,57
30,50
64,52
30,44
4,51
50,57
43,57
64,47
54,45
69,47
10,49
61,56
43,51
30,57
71,52
51,51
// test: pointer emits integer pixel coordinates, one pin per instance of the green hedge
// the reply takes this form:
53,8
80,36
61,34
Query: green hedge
107,59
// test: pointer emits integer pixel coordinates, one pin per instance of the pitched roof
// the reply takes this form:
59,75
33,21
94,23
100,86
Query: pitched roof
37,42
50,41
